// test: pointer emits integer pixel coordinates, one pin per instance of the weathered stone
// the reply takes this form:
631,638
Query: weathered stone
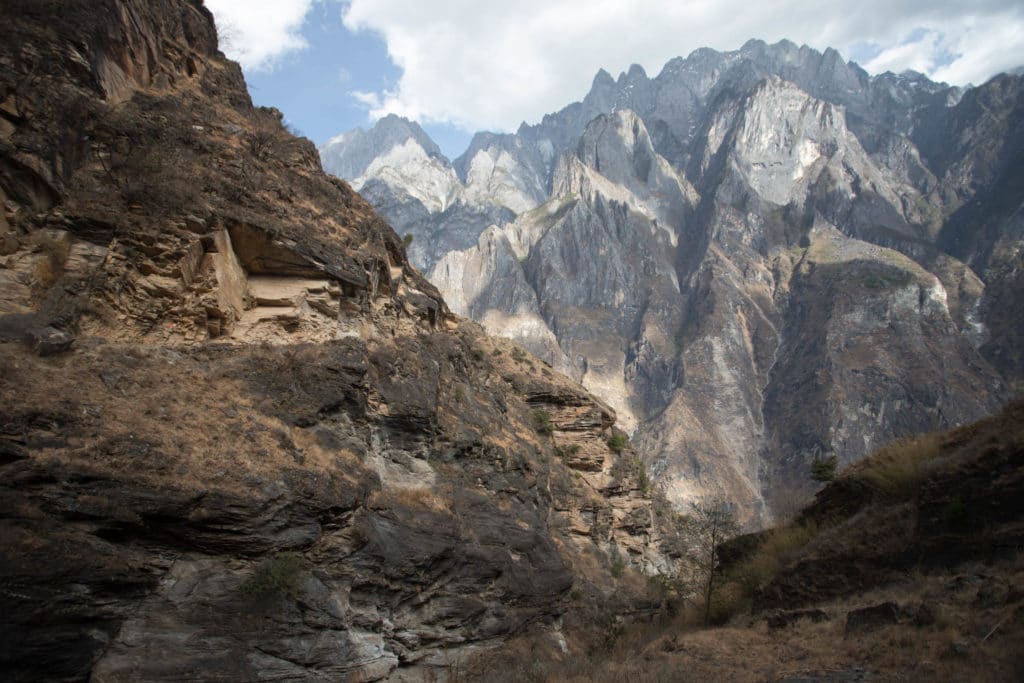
49,341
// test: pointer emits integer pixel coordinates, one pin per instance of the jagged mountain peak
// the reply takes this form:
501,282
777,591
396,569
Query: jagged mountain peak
685,213
635,73
602,79
483,140
350,154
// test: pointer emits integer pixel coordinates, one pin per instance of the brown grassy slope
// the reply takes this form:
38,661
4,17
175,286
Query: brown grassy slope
927,531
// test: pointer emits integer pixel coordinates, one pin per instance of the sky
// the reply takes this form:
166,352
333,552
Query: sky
459,66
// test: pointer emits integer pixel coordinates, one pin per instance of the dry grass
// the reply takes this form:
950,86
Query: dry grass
896,471
163,419
781,546
411,497
953,647
54,253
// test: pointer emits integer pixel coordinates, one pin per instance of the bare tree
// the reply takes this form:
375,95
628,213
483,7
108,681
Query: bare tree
712,523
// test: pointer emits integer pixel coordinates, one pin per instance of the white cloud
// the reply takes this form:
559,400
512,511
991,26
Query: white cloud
257,32
919,54
988,46
491,65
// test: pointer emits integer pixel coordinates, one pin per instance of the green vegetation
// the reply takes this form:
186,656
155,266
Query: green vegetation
541,420
518,355
824,469
564,452
618,442
277,577
618,567
643,480
407,240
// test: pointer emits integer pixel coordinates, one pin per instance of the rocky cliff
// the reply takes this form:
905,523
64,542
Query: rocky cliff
759,258
241,436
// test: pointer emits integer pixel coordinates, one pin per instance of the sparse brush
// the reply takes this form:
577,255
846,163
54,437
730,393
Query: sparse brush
277,577
780,546
896,471
422,497
541,420
564,452
55,253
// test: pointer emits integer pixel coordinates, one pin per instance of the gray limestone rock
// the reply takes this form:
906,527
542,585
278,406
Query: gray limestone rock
757,257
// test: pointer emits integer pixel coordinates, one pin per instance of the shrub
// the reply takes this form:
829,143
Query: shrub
618,567
824,469
565,452
779,546
643,481
618,442
541,420
55,254
264,137
277,577
407,240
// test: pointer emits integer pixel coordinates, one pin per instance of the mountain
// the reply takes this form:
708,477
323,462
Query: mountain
241,437
758,258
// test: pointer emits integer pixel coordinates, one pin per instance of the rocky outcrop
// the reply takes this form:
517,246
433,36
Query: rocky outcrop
760,258
246,438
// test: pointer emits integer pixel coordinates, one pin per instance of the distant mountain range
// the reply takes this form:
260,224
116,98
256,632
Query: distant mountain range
759,258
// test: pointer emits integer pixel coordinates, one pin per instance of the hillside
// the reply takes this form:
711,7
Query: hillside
241,437
906,567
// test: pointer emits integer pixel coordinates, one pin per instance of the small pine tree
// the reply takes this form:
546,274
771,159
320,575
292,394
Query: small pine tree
824,469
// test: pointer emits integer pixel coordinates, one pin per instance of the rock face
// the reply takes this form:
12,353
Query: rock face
757,258
241,437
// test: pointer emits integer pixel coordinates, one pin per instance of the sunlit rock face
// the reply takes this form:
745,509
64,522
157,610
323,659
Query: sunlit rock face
758,258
